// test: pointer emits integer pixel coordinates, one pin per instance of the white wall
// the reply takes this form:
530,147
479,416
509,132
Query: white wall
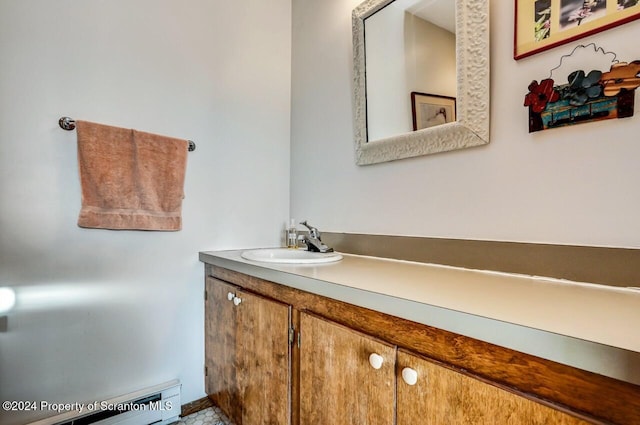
395,36
430,66
101,313
573,185
388,104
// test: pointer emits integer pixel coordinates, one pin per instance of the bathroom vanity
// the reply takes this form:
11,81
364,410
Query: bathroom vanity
377,341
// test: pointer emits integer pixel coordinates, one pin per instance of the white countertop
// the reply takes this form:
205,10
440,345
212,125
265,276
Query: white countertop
594,327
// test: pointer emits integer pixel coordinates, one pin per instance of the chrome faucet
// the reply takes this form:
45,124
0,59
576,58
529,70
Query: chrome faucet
313,241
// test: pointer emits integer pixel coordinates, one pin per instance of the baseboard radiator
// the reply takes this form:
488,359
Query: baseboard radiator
158,405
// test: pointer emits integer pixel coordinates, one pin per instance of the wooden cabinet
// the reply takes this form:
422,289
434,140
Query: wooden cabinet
220,348
258,376
247,355
338,385
444,396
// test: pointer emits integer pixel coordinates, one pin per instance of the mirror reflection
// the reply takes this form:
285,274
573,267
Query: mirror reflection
410,55
470,127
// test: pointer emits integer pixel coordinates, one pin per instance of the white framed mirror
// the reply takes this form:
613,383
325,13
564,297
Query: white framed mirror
386,135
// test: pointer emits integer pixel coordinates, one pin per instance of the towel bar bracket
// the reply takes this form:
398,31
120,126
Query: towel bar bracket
67,123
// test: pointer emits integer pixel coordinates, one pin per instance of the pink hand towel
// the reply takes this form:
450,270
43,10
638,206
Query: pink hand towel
130,179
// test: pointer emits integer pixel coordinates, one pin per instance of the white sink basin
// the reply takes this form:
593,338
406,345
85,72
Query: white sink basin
290,256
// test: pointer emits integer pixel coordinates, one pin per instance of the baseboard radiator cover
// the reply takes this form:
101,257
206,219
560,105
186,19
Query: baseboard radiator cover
158,405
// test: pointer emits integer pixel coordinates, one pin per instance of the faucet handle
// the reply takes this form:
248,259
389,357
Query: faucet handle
313,241
313,232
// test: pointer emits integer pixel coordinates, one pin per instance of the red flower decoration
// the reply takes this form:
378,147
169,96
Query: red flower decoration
541,94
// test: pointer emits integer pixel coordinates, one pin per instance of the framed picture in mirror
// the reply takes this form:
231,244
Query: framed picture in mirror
429,110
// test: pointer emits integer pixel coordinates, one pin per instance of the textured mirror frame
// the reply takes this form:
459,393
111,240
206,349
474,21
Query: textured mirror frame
472,58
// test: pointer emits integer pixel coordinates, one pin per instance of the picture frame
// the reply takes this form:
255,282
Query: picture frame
543,24
429,110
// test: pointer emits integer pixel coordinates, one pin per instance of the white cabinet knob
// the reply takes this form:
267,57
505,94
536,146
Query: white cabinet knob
376,360
230,296
237,300
410,376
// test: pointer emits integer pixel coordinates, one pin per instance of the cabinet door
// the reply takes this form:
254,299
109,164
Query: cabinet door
338,385
220,348
247,355
443,396
263,359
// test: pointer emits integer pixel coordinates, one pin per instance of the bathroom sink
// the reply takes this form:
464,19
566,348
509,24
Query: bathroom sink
290,256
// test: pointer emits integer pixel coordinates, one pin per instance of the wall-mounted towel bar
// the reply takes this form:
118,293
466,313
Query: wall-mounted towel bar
67,123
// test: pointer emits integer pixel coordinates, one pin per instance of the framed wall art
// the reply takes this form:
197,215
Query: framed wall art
543,24
429,110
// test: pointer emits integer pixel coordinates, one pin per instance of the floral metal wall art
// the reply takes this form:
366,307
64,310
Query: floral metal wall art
584,97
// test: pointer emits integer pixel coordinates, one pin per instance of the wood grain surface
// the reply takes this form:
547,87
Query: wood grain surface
220,349
443,396
262,360
338,386
247,355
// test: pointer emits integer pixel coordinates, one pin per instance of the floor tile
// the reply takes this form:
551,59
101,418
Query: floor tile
210,416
